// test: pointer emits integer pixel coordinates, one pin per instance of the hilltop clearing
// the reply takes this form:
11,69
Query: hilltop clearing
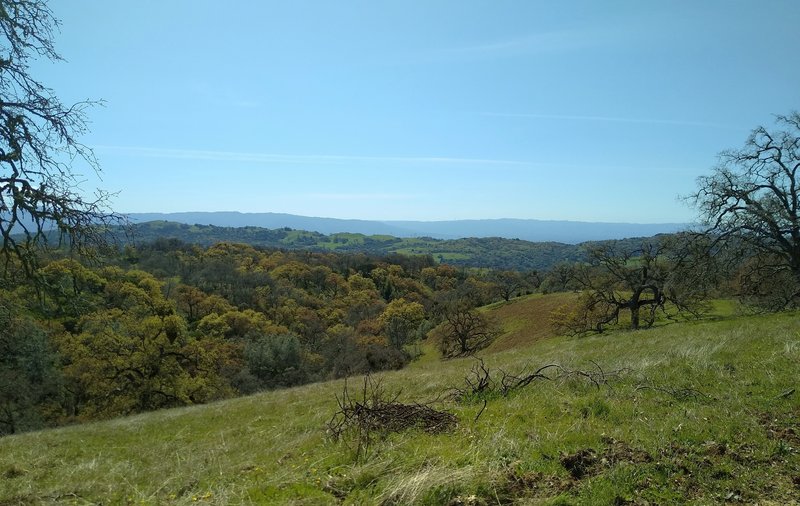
527,319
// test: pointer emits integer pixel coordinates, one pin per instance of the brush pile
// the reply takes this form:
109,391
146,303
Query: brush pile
373,412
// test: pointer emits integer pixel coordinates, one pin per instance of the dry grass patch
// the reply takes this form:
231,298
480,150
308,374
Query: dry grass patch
526,319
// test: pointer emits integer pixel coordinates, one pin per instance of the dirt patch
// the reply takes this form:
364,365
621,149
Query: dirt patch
587,462
533,484
785,428
581,463
13,472
619,452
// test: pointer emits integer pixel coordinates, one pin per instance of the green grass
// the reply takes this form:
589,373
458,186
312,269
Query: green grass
696,415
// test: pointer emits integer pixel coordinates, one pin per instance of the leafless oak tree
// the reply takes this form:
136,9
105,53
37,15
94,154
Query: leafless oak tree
661,275
40,150
750,202
463,329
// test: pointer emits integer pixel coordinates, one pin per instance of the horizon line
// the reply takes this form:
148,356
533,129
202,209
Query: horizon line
407,220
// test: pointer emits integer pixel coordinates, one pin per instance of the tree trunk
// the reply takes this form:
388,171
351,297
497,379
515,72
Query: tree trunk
635,316
634,307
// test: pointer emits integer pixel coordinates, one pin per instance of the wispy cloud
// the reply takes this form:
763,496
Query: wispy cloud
540,43
246,104
612,119
439,162
349,197
543,42
274,158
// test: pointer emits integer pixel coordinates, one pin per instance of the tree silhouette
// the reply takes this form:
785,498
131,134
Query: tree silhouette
40,150
750,204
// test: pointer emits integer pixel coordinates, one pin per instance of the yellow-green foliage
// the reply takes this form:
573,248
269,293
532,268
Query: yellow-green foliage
136,356
168,325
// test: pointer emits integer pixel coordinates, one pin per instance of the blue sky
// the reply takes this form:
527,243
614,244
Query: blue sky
422,110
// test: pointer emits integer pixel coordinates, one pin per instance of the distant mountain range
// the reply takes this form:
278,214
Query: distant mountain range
568,232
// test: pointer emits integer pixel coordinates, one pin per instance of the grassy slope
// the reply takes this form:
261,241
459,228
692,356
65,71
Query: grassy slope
740,440
526,319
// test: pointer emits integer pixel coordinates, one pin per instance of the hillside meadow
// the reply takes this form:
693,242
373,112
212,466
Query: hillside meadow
686,413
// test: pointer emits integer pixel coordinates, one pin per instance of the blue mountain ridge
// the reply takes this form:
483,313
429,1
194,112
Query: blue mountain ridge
569,232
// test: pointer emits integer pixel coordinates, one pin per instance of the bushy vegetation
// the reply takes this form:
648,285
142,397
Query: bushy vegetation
170,324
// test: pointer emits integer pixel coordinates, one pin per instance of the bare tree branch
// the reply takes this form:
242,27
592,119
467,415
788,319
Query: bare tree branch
40,152
750,205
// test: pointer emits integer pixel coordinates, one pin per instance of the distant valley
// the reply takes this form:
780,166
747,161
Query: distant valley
485,252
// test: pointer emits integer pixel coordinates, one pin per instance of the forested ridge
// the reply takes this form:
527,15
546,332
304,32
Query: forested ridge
169,323
489,252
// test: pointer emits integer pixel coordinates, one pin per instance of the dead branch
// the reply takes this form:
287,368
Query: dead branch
511,382
480,384
677,393
374,413
480,412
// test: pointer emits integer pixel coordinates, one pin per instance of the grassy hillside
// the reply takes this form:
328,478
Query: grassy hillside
526,319
701,413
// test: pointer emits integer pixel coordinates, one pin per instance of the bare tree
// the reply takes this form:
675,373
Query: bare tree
750,203
622,279
39,146
639,281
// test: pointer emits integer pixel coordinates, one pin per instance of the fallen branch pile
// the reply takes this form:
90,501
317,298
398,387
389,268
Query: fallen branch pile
371,413
374,412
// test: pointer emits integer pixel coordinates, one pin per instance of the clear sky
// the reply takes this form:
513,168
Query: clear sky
423,109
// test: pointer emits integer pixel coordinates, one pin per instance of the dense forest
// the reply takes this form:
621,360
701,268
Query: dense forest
169,323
